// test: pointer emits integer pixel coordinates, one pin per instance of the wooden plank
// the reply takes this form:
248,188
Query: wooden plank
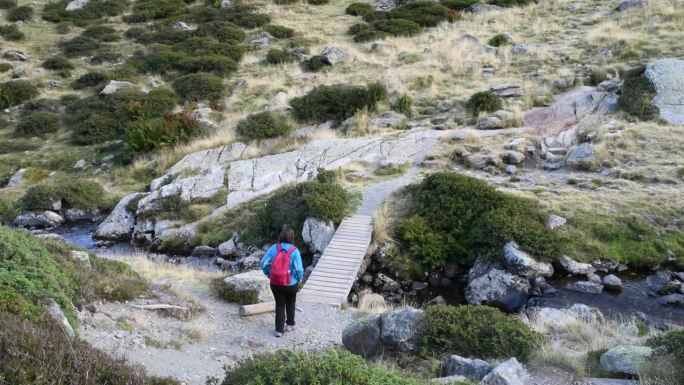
345,271
327,287
331,262
318,294
322,281
324,275
339,258
344,246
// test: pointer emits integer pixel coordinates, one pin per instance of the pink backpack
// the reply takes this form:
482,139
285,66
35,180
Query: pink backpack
280,266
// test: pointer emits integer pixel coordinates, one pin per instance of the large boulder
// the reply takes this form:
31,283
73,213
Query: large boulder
522,264
115,85
626,5
509,372
317,234
180,237
38,220
76,5
401,329
334,55
472,369
667,75
16,178
55,311
586,287
227,248
498,288
624,359
118,226
582,157
249,284
575,268
362,336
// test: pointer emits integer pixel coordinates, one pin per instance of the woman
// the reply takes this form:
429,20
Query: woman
283,265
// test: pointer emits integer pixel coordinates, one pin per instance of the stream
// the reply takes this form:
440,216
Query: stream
634,300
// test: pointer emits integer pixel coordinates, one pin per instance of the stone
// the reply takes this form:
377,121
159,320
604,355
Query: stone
226,3
551,317
508,90
115,85
15,56
363,336
513,157
81,256
657,281
250,282
519,49
55,311
608,381
454,380
511,169
582,157
387,119
118,226
418,286
586,287
317,234
81,163
503,115
483,8
181,236
334,55
509,372
489,123
592,277
522,264
498,288
165,310
402,329
516,144
586,313
181,26
667,75
76,5
203,251
626,5
612,282
386,284
387,5
554,221
625,359
16,178
671,299
261,41
563,83
251,262
227,248
605,265
38,220
573,267
472,369
75,215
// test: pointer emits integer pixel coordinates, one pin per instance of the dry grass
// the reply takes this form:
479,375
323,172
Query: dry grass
371,303
169,273
381,225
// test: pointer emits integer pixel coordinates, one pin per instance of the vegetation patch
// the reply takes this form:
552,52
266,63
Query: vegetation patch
458,5
423,13
278,31
92,11
485,101
15,92
637,95
23,13
397,27
279,56
336,102
72,192
264,125
498,40
316,63
37,123
90,79
152,134
477,331
11,32
359,9
199,86
228,293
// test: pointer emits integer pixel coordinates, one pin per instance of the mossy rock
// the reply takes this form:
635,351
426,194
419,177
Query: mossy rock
637,95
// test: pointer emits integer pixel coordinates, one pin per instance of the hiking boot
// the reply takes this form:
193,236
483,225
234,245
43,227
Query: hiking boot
278,334
289,328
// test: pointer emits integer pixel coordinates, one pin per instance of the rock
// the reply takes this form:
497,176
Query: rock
607,381
75,215
605,265
586,287
181,237
563,84
418,286
181,26
363,336
55,311
454,380
81,256
15,56
227,248
204,251
489,123
582,157
520,49
551,317
553,222
472,369
317,234
624,359
402,329
586,313
76,5
575,268
226,3
387,5
522,264
511,169
261,41
16,178
115,85
118,226
508,90
626,5
509,372
334,55
483,8
498,288
39,220
592,277
80,163
251,262
250,283
386,284
671,299
387,119
657,281
667,75
516,144
612,282
165,310
513,157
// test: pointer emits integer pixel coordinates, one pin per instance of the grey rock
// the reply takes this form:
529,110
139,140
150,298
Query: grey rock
472,369
582,157
498,288
483,8
657,281
16,178
612,282
608,381
508,90
586,287
261,41
363,336
182,236
563,84
249,283
520,49
203,251
74,215
81,163
511,169
625,359
227,248
39,220
15,56
251,262
586,313
503,115
489,123
317,234
513,157
55,311
226,3
76,5
625,5
671,299
386,284
448,380
334,55
81,256
522,264
387,5
418,286
592,277
181,26
115,85
509,372
667,75
118,226
553,222
402,329
605,265
387,119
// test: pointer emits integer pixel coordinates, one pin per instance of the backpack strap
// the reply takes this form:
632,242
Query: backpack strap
291,250
279,247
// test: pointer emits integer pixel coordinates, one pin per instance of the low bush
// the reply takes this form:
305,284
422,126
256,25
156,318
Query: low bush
4,67
64,27
101,33
263,125
199,86
358,28
79,46
477,331
223,31
90,79
74,193
404,104
93,10
458,5
369,35
667,368
317,2
359,9
510,3
245,16
15,92
637,95
454,218
376,15
37,123
283,2
485,101
397,27
213,64
23,13
335,102
278,31
58,63
424,13
159,61
149,135
7,4
201,46
146,10
313,367
316,63
11,32
279,56
672,341
498,40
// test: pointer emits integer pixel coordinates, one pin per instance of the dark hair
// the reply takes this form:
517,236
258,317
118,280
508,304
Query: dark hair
287,235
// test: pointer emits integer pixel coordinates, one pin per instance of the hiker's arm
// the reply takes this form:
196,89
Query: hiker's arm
266,261
298,267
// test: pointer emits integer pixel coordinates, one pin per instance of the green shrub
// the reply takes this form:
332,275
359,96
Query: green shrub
404,104
397,27
15,92
369,35
477,331
246,16
331,366
64,27
161,61
79,46
152,134
74,193
283,2
335,102
231,295
278,31
359,9
279,56
454,218
201,46
317,2
116,281
223,31
458,5
485,101
90,79
214,64
37,123
199,86
498,40
146,10
263,125
11,32
668,365
376,15
58,63
510,3
424,13
23,13
7,4
637,95
95,9
378,91
101,33
4,67
597,75
316,63
358,28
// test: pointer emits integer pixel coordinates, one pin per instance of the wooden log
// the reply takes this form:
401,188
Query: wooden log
257,308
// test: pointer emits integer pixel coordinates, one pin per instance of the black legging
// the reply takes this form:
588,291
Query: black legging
285,298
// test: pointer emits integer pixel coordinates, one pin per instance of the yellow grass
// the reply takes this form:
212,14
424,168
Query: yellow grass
170,273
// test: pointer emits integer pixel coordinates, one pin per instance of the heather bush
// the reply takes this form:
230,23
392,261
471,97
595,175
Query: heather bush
263,125
637,95
37,123
458,5
102,33
152,134
11,32
23,13
223,31
397,27
79,46
424,13
498,40
279,56
279,32
485,101
90,79
15,92
335,102
359,9
199,86
316,63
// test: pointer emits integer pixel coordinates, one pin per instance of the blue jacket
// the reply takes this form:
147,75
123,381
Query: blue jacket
296,268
